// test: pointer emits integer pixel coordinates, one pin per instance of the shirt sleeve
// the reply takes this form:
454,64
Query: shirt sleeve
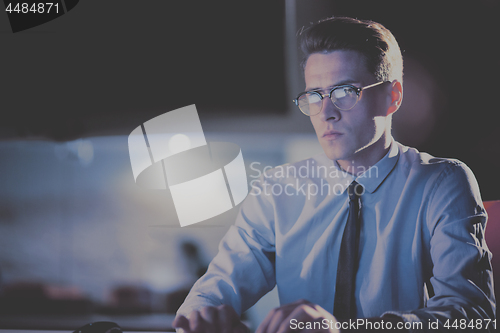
461,286
243,270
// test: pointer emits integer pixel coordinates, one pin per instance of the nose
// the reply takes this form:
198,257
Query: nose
329,111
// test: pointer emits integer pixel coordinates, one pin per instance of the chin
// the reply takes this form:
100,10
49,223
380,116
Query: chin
338,149
336,154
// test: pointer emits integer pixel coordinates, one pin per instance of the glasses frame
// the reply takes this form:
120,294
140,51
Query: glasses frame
358,91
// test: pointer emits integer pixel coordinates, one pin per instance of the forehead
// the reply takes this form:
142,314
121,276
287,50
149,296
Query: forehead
327,69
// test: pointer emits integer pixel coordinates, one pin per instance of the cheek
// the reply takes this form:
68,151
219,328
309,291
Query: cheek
363,129
367,119
370,130
316,124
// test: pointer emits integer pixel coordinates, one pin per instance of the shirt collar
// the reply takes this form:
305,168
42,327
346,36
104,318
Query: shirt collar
376,174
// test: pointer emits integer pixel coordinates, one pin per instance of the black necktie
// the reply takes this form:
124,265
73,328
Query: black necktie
344,306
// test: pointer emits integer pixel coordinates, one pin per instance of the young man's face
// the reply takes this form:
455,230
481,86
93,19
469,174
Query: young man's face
355,135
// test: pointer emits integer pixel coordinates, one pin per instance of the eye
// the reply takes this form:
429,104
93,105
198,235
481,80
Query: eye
344,92
339,93
313,98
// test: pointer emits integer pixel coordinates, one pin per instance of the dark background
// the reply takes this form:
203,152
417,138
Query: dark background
107,66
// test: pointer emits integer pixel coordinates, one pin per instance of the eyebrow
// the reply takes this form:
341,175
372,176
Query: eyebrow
346,81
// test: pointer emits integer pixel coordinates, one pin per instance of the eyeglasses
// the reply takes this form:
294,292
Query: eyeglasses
344,97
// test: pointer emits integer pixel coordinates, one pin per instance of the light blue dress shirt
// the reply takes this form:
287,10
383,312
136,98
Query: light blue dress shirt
422,250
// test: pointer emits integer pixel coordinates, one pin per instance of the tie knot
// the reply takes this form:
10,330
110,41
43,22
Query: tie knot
355,190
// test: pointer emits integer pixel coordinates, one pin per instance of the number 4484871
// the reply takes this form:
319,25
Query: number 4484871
472,324
35,8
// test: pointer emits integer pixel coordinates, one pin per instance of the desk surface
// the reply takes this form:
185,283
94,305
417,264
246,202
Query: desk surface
46,323
64,331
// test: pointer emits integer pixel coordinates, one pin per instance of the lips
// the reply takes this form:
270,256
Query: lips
331,135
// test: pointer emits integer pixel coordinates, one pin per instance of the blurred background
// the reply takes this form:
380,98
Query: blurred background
80,241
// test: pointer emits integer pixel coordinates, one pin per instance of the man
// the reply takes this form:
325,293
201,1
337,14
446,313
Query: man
369,229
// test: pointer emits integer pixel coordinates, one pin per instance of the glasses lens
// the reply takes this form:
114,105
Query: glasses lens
310,103
344,97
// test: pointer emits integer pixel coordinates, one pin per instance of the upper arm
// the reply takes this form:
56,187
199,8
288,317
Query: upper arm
243,270
456,220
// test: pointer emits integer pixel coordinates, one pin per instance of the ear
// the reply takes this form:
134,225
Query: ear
395,97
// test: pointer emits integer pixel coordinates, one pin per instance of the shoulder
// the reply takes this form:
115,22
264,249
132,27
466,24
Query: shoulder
440,176
414,161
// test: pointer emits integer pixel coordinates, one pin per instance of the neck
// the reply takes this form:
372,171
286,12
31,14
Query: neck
365,158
